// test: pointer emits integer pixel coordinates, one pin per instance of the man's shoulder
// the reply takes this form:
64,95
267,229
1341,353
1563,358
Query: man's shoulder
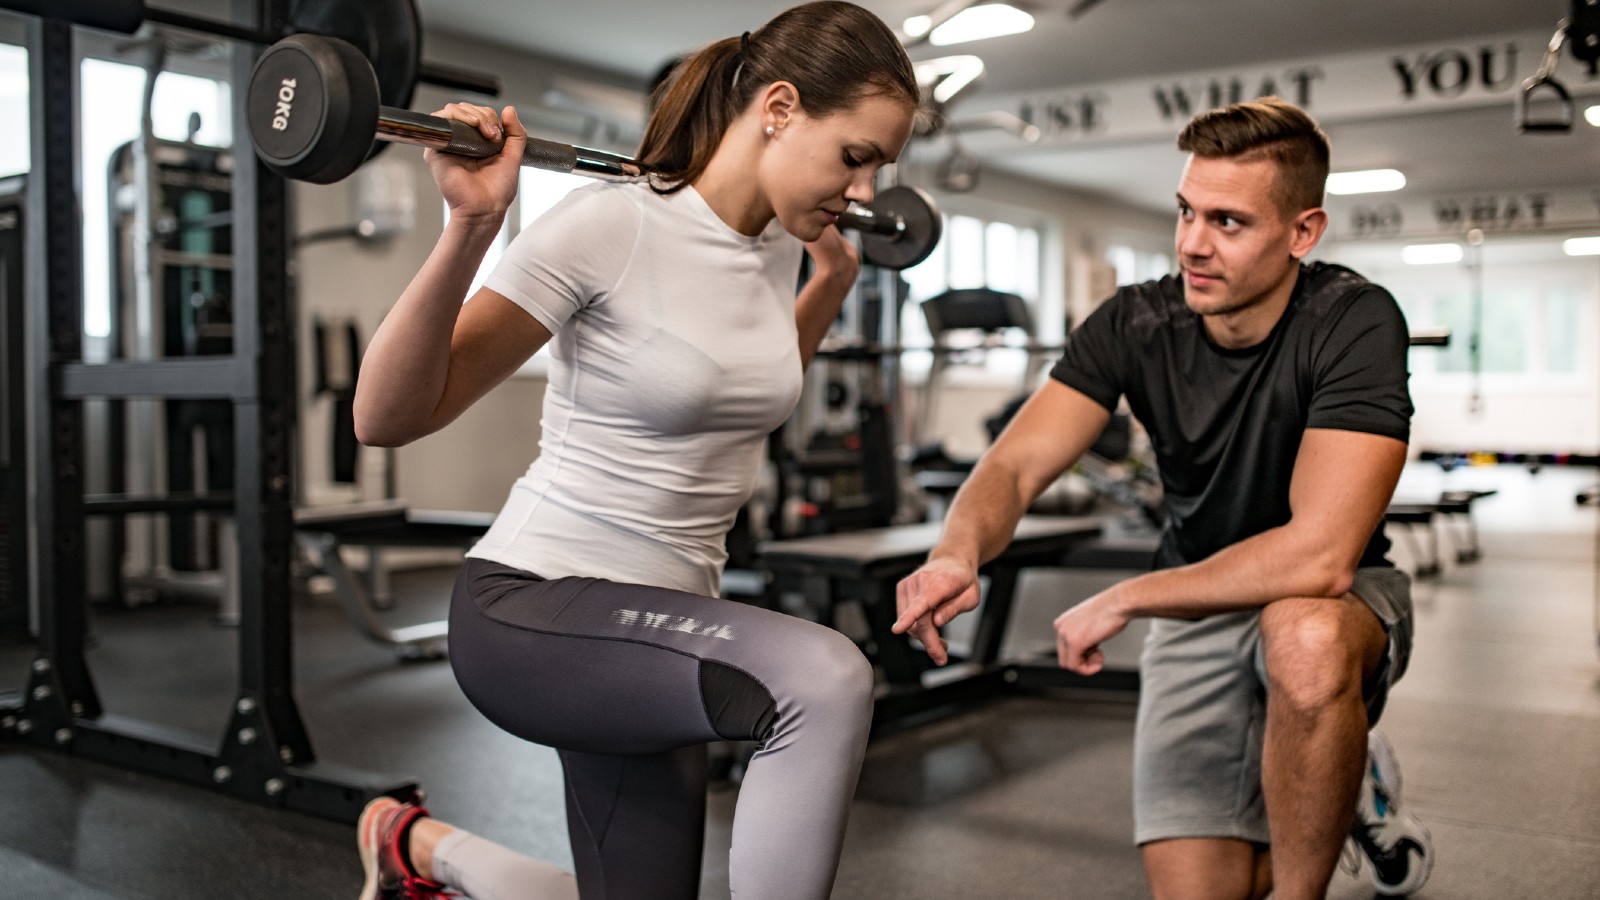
1340,309
1329,290
1149,305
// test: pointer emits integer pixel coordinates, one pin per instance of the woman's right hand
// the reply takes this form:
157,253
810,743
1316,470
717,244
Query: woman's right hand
480,190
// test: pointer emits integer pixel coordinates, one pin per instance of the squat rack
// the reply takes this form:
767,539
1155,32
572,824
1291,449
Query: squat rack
265,754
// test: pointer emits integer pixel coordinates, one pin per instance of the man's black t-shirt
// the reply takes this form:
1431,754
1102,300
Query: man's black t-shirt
1226,424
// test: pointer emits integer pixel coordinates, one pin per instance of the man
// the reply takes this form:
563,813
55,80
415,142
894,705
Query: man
1274,393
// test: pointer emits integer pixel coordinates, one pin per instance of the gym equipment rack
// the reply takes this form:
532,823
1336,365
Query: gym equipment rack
265,754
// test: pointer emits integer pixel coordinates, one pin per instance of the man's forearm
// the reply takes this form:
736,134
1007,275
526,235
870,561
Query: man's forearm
983,516
1274,565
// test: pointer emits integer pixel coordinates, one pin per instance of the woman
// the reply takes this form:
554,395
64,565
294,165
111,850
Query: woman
587,618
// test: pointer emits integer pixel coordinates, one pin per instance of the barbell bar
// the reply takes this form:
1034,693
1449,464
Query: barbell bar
314,109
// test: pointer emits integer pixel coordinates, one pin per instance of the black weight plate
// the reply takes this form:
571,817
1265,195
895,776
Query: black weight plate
282,134
312,108
924,227
387,32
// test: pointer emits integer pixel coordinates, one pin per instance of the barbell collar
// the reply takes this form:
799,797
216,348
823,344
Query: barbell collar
866,220
915,232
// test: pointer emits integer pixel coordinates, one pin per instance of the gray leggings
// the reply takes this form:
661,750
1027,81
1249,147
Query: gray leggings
629,683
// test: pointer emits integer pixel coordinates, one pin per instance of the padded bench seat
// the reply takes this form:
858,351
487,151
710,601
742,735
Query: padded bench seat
323,531
1415,517
1456,507
1453,510
867,565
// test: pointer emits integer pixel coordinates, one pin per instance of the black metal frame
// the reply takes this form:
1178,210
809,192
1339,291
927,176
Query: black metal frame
14,558
265,755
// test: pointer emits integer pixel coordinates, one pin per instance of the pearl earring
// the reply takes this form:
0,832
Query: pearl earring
771,131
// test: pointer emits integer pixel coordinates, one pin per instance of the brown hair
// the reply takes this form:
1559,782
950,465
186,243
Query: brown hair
834,53
1268,128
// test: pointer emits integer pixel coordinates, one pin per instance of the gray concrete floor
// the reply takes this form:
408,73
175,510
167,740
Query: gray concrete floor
1497,724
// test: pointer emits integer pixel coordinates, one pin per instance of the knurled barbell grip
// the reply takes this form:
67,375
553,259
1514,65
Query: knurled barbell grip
462,139
467,140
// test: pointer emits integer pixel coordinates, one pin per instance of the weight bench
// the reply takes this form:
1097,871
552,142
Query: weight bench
1454,510
1414,517
1456,507
322,531
867,565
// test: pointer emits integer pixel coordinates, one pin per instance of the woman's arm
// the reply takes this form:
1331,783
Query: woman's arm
433,356
413,384
835,265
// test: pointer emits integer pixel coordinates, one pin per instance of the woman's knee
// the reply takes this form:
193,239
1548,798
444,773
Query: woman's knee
832,673
818,677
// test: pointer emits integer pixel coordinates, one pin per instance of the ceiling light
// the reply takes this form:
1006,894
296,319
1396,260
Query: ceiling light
1430,254
1584,246
999,118
974,23
1366,181
1593,115
948,75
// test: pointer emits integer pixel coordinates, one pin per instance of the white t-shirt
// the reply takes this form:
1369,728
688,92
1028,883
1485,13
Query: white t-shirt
674,354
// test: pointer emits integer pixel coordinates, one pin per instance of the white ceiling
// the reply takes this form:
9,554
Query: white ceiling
1115,40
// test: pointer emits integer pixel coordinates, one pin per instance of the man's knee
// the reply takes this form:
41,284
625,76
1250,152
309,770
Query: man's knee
1318,651
1207,869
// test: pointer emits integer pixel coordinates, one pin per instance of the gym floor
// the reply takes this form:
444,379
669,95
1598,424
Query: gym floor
1497,724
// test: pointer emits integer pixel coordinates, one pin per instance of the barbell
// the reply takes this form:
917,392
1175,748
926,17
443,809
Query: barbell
314,110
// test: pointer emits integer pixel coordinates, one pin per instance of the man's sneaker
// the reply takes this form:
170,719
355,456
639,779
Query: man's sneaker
1393,840
378,832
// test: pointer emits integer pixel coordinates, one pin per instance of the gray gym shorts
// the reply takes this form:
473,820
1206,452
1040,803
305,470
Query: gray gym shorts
1202,711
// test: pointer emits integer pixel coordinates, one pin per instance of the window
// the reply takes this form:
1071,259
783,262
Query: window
1563,321
1527,329
14,108
112,97
1133,266
540,189
1536,308
973,253
537,191
1126,262
965,238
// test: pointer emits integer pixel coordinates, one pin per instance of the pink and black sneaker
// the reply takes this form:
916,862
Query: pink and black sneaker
382,825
